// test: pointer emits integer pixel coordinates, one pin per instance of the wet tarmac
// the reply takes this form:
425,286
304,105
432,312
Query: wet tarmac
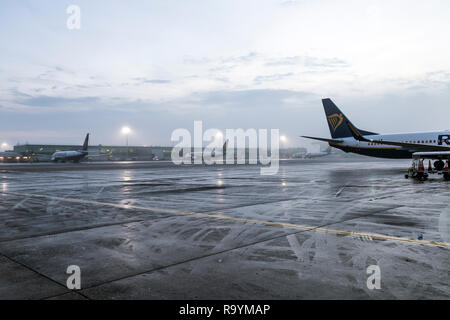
158,231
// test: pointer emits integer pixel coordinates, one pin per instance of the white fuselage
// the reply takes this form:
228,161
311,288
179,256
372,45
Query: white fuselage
316,154
201,154
440,138
68,155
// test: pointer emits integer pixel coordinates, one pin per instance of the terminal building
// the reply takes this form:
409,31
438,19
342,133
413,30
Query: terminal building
42,152
97,153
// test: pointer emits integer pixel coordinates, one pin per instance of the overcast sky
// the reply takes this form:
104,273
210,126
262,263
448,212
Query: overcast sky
160,65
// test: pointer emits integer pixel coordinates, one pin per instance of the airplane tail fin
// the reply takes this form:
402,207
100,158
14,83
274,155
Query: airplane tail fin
224,148
86,143
337,121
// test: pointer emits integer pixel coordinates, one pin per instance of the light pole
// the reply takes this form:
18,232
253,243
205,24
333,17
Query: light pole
126,131
283,140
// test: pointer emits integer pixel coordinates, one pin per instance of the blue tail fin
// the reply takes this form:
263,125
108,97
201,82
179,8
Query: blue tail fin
337,121
86,142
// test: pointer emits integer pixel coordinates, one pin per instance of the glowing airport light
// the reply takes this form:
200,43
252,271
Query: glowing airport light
4,145
283,139
126,130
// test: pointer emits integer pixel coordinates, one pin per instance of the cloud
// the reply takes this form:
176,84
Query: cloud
194,60
18,94
248,99
223,68
223,79
231,62
52,72
432,81
272,77
308,61
53,102
251,56
289,3
151,81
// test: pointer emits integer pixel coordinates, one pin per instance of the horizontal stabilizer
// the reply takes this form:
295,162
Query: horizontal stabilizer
323,139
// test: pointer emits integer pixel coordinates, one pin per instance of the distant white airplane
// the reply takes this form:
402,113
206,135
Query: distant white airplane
199,154
75,156
310,155
298,155
347,137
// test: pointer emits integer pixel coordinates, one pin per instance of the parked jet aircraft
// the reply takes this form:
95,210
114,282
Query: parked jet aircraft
75,156
310,155
347,137
214,153
299,155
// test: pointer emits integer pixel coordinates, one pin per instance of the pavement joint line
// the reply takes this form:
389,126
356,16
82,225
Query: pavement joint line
253,204
54,233
42,275
75,291
254,221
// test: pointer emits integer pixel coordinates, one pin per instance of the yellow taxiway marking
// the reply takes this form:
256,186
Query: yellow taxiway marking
222,217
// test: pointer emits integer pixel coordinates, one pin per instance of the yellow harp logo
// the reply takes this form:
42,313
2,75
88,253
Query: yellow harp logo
335,120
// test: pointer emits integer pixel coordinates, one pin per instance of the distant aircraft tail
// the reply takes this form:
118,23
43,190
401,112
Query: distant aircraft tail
224,148
337,121
86,143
